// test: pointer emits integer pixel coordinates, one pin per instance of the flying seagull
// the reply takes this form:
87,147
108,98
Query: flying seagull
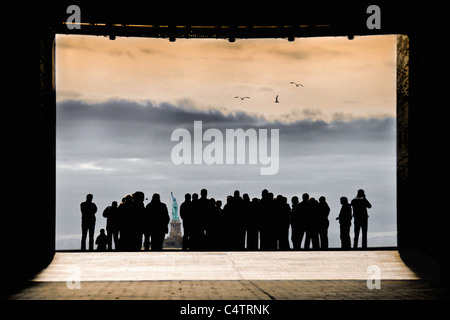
276,99
296,84
242,98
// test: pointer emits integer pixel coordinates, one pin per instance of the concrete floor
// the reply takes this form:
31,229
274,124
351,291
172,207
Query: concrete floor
318,275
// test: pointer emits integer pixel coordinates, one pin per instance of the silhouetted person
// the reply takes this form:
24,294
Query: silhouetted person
312,225
323,211
199,213
186,216
299,220
137,211
208,214
251,219
88,211
159,222
101,241
122,215
253,226
234,211
360,206
294,203
283,212
125,223
111,213
221,226
262,209
147,226
345,222
268,221
197,230
212,226
227,213
272,224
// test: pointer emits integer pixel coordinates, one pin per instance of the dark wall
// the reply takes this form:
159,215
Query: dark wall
423,215
28,148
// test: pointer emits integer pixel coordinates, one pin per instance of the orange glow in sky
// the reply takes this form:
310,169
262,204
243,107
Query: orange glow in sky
341,78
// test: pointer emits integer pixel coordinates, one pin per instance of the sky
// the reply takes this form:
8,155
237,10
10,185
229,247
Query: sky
119,103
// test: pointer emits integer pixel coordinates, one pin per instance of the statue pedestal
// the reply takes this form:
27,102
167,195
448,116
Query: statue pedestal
175,238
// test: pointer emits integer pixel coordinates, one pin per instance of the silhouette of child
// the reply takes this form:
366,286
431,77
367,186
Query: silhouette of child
101,241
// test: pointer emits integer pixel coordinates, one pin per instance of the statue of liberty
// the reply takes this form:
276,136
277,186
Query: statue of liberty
175,237
174,208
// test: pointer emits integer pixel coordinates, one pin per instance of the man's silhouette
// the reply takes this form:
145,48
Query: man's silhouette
212,226
125,223
271,223
283,212
196,227
186,216
251,222
268,240
324,211
201,207
299,217
253,226
345,222
234,210
360,206
159,221
312,225
295,233
137,211
88,210
205,208
227,208
111,213
298,220
221,226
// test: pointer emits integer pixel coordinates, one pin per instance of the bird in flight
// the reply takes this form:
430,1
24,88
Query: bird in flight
276,99
242,98
296,84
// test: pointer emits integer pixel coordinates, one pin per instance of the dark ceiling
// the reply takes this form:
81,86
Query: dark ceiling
228,19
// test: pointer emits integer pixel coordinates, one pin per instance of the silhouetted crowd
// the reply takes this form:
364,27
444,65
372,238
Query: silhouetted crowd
241,224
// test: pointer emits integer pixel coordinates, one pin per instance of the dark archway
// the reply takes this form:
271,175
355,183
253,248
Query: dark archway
28,226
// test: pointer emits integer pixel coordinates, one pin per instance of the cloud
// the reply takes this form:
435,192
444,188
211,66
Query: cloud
123,129
167,114
128,129
88,166
127,138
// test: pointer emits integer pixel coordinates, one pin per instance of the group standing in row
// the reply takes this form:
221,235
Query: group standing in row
242,224
127,223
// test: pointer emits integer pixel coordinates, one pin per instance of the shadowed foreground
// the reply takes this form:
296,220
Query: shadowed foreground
326,275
